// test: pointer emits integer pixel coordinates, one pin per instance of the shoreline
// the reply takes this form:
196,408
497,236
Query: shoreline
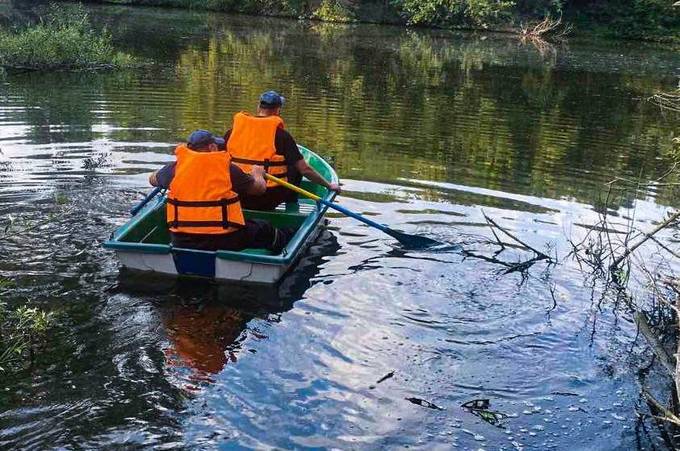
579,29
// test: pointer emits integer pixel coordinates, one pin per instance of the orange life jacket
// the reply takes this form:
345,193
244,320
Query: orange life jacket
200,198
252,143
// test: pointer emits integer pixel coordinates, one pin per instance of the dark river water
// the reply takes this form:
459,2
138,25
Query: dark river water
427,130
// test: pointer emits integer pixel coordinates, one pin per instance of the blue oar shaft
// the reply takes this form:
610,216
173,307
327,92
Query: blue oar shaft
412,241
145,201
356,216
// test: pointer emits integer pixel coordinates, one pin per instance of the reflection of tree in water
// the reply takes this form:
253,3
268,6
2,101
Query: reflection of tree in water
59,106
439,106
385,103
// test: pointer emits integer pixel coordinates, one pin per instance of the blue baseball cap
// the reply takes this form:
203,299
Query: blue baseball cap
272,99
201,139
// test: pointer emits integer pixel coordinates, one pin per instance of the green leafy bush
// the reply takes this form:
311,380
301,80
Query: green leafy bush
333,11
642,19
480,13
63,39
22,330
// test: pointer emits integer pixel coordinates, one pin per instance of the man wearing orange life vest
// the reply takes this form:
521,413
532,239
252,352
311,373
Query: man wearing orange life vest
203,208
262,140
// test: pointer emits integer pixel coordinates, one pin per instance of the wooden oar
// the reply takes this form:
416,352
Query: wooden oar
409,241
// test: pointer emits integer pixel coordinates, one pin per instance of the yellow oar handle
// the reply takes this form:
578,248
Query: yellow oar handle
290,186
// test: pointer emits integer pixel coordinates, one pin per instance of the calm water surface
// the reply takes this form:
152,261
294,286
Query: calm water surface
426,130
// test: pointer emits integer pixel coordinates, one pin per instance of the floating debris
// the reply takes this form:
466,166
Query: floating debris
563,393
477,404
481,408
478,437
385,377
424,403
577,409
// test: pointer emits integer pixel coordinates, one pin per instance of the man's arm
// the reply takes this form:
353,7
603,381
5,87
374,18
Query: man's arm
309,172
286,146
259,185
252,184
163,177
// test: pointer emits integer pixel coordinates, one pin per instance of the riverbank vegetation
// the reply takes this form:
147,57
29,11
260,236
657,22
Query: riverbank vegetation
649,286
63,39
634,19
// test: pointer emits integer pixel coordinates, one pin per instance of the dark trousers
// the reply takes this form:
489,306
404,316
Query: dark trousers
256,233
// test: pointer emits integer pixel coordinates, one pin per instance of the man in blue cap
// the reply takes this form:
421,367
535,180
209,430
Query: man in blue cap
203,207
262,140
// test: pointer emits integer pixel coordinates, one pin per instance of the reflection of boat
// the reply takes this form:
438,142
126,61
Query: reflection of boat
206,323
143,242
201,335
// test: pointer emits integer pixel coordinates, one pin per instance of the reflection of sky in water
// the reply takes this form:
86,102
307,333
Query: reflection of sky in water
472,125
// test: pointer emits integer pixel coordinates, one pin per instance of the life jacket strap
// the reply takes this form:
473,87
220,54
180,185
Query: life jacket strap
203,203
225,223
266,163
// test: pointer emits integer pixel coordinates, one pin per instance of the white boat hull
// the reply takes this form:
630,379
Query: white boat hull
225,270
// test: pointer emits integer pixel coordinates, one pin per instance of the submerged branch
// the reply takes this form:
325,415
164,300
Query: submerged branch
667,100
666,360
667,414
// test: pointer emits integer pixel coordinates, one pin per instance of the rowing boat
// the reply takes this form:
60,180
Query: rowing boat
143,243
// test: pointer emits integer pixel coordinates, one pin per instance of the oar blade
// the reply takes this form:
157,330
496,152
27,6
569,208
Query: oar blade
412,241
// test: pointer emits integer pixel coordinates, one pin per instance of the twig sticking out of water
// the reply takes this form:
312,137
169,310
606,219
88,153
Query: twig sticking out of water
493,224
617,261
511,267
663,246
548,26
609,258
538,34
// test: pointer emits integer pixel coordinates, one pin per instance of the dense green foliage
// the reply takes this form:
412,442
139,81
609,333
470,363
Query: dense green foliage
63,39
642,19
334,11
452,12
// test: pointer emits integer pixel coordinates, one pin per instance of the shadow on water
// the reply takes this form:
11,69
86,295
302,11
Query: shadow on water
205,321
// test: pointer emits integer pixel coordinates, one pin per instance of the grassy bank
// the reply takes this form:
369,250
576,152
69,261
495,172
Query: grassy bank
634,19
62,39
